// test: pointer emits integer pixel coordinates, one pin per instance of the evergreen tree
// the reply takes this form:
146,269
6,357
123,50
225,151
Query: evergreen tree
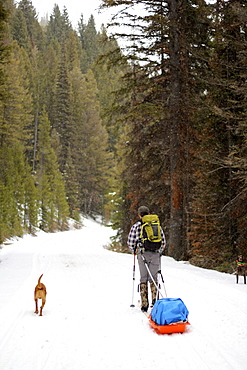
218,232
73,50
109,70
89,39
51,60
81,31
15,109
165,87
72,187
53,204
63,116
19,30
59,25
4,45
39,76
18,197
34,30
89,149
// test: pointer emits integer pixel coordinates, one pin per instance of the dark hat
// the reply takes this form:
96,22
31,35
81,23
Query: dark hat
143,210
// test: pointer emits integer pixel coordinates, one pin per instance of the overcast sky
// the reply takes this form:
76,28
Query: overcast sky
75,9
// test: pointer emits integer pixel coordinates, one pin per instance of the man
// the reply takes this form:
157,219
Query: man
152,258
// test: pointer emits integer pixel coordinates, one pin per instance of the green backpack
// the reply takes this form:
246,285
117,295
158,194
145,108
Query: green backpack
151,233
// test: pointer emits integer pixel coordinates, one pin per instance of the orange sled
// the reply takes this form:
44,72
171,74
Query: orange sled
168,329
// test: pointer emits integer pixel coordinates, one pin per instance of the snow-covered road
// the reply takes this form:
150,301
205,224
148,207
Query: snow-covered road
87,321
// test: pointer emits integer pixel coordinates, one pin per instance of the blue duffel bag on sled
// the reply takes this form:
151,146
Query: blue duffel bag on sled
167,311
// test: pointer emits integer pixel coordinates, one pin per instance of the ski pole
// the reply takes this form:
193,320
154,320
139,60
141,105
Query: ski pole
134,269
151,276
162,279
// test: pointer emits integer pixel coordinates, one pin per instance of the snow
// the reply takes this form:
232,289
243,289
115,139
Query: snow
87,321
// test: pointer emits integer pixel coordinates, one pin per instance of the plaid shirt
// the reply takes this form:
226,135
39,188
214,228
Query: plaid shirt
134,236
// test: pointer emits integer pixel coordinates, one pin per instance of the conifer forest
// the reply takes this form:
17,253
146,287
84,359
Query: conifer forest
89,126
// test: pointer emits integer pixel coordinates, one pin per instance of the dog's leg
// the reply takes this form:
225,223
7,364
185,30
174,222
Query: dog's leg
41,307
244,278
36,306
237,278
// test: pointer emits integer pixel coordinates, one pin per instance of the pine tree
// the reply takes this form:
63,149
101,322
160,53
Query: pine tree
37,87
72,187
73,50
63,116
4,45
31,24
89,149
19,30
59,26
89,39
18,198
166,53
53,204
15,109
220,237
10,222
51,61
109,69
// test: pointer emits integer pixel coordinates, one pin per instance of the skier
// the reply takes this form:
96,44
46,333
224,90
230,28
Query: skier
150,255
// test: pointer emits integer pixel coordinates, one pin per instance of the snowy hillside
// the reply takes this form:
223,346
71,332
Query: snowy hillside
87,321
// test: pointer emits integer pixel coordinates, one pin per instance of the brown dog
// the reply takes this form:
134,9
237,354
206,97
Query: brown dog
39,293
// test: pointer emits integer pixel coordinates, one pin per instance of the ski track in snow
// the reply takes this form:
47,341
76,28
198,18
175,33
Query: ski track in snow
87,321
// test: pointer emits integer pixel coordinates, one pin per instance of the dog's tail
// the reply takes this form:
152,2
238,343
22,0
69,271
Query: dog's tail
40,278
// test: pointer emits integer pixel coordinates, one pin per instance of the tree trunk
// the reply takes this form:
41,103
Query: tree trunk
176,219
